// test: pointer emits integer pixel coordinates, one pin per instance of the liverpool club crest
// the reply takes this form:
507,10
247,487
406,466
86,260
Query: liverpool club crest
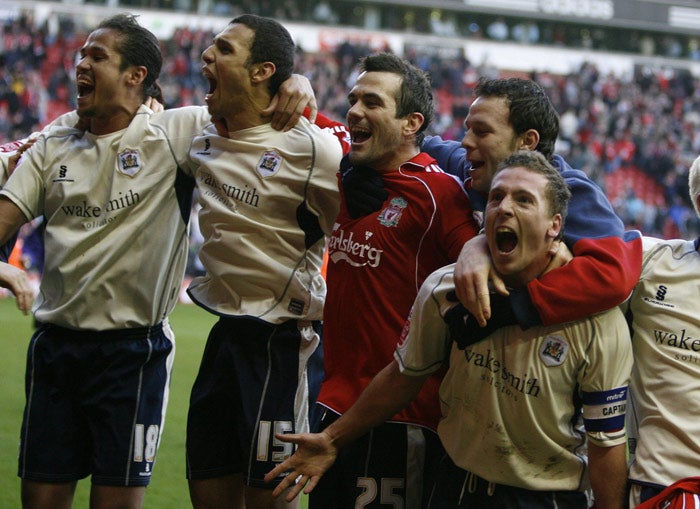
390,216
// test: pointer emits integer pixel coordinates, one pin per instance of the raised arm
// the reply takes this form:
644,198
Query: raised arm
288,105
603,271
605,268
449,154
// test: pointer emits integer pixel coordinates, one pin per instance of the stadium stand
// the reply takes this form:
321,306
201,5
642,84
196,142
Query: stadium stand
634,132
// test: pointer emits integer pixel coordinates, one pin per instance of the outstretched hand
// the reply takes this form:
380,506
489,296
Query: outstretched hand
314,456
288,105
16,280
472,273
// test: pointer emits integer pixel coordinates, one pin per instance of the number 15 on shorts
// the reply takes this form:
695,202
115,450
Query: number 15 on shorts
279,450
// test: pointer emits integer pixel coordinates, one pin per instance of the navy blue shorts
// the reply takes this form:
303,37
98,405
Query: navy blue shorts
256,379
638,492
95,404
391,466
456,488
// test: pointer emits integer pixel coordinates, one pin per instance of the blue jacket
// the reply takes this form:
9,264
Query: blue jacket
607,259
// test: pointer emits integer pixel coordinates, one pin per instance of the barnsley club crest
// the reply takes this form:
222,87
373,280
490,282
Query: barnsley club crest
553,350
129,162
269,163
390,216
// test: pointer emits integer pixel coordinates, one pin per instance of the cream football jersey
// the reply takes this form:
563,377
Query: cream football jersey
518,406
116,209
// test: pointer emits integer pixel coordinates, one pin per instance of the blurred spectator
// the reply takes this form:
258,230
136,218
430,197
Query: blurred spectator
650,122
526,32
497,30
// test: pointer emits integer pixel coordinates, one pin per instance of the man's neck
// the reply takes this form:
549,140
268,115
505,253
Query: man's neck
396,158
108,124
249,115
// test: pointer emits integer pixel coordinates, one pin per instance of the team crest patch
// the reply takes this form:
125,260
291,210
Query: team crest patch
269,163
391,215
554,350
129,162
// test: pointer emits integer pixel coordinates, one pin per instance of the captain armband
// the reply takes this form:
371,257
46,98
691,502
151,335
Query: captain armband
605,411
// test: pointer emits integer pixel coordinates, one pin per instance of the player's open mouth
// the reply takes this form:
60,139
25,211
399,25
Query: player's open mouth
212,81
475,165
85,86
212,85
360,135
506,240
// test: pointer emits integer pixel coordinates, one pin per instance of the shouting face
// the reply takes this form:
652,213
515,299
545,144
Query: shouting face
520,227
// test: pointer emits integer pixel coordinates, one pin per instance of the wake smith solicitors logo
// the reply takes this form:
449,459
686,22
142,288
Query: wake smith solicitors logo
98,216
497,374
684,341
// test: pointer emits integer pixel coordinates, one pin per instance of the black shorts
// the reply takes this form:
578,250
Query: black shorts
456,488
256,379
391,466
95,404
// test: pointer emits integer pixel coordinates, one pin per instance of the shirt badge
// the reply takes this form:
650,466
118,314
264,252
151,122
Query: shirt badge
554,350
129,162
269,163
390,216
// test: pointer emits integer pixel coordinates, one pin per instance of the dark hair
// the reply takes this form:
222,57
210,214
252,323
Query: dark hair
137,46
271,43
529,107
415,93
557,192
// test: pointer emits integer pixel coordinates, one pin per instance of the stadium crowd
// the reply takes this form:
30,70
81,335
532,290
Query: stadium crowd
635,137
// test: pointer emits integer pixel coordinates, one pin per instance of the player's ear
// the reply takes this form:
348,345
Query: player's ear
262,72
136,75
555,227
412,123
529,140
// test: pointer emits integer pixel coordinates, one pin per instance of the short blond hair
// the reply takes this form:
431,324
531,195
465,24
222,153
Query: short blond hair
694,183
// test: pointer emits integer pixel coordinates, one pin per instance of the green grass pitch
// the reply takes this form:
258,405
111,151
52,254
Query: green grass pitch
168,489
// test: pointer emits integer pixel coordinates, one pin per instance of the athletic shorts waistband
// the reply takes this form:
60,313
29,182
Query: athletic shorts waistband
290,324
101,335
473,484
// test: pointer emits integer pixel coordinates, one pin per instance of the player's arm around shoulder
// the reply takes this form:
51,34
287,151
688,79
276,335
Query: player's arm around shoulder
449,154
186,121
179,127
69,119
323,195
607,259
26,187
